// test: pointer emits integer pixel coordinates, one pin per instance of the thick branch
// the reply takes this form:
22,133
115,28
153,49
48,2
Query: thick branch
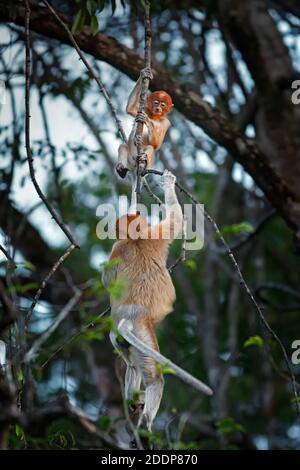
212,121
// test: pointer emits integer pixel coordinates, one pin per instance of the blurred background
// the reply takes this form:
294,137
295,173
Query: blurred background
232,69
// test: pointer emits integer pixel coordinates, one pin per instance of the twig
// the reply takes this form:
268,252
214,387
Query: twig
8,308
160,359
255,232
62,315
151,193
5,252
52,149
244,285
182,255
91,71
52,211
46,280
90,427
279,307
37,421
75,335
138,137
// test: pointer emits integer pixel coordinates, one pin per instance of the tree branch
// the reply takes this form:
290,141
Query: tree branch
63,314
138,137
52,211
91,71
46,280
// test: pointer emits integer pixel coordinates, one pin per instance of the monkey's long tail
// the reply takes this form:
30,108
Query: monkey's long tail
125,331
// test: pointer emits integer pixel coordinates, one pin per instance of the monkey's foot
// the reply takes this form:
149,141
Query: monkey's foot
144,442
143,160
138,140
137,408
121,170
147,73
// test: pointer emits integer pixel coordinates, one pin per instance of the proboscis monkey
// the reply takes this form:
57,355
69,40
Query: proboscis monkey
148,296
156,124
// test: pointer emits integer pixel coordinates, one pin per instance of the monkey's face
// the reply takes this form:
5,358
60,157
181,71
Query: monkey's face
159,104
130,226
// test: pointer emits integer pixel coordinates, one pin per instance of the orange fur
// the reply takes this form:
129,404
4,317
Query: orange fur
143,269
147,297
158,105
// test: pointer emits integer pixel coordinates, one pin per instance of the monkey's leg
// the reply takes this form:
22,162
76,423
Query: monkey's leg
133,201
133,375
133,378
123,160
152,379
150,155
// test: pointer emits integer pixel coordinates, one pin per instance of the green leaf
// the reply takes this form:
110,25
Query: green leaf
229,426
113,6
165,369
231,447
94,336
295,400
90,5
253,341
116,289
104,422
22,289
18,430
154,438
78,22
185,445
28,265
237,229
94,25
191,264
111,264
19,376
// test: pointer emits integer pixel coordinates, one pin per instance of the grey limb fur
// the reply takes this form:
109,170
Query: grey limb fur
124,328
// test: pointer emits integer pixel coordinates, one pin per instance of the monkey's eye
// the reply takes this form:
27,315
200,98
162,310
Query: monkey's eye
163,104
156,102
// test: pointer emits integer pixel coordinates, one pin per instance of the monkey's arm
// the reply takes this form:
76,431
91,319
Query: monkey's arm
110,271
133,100
108,276
171,226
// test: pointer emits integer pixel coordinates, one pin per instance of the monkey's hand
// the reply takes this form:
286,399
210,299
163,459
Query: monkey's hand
168,179
146,73
142,117
121,170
